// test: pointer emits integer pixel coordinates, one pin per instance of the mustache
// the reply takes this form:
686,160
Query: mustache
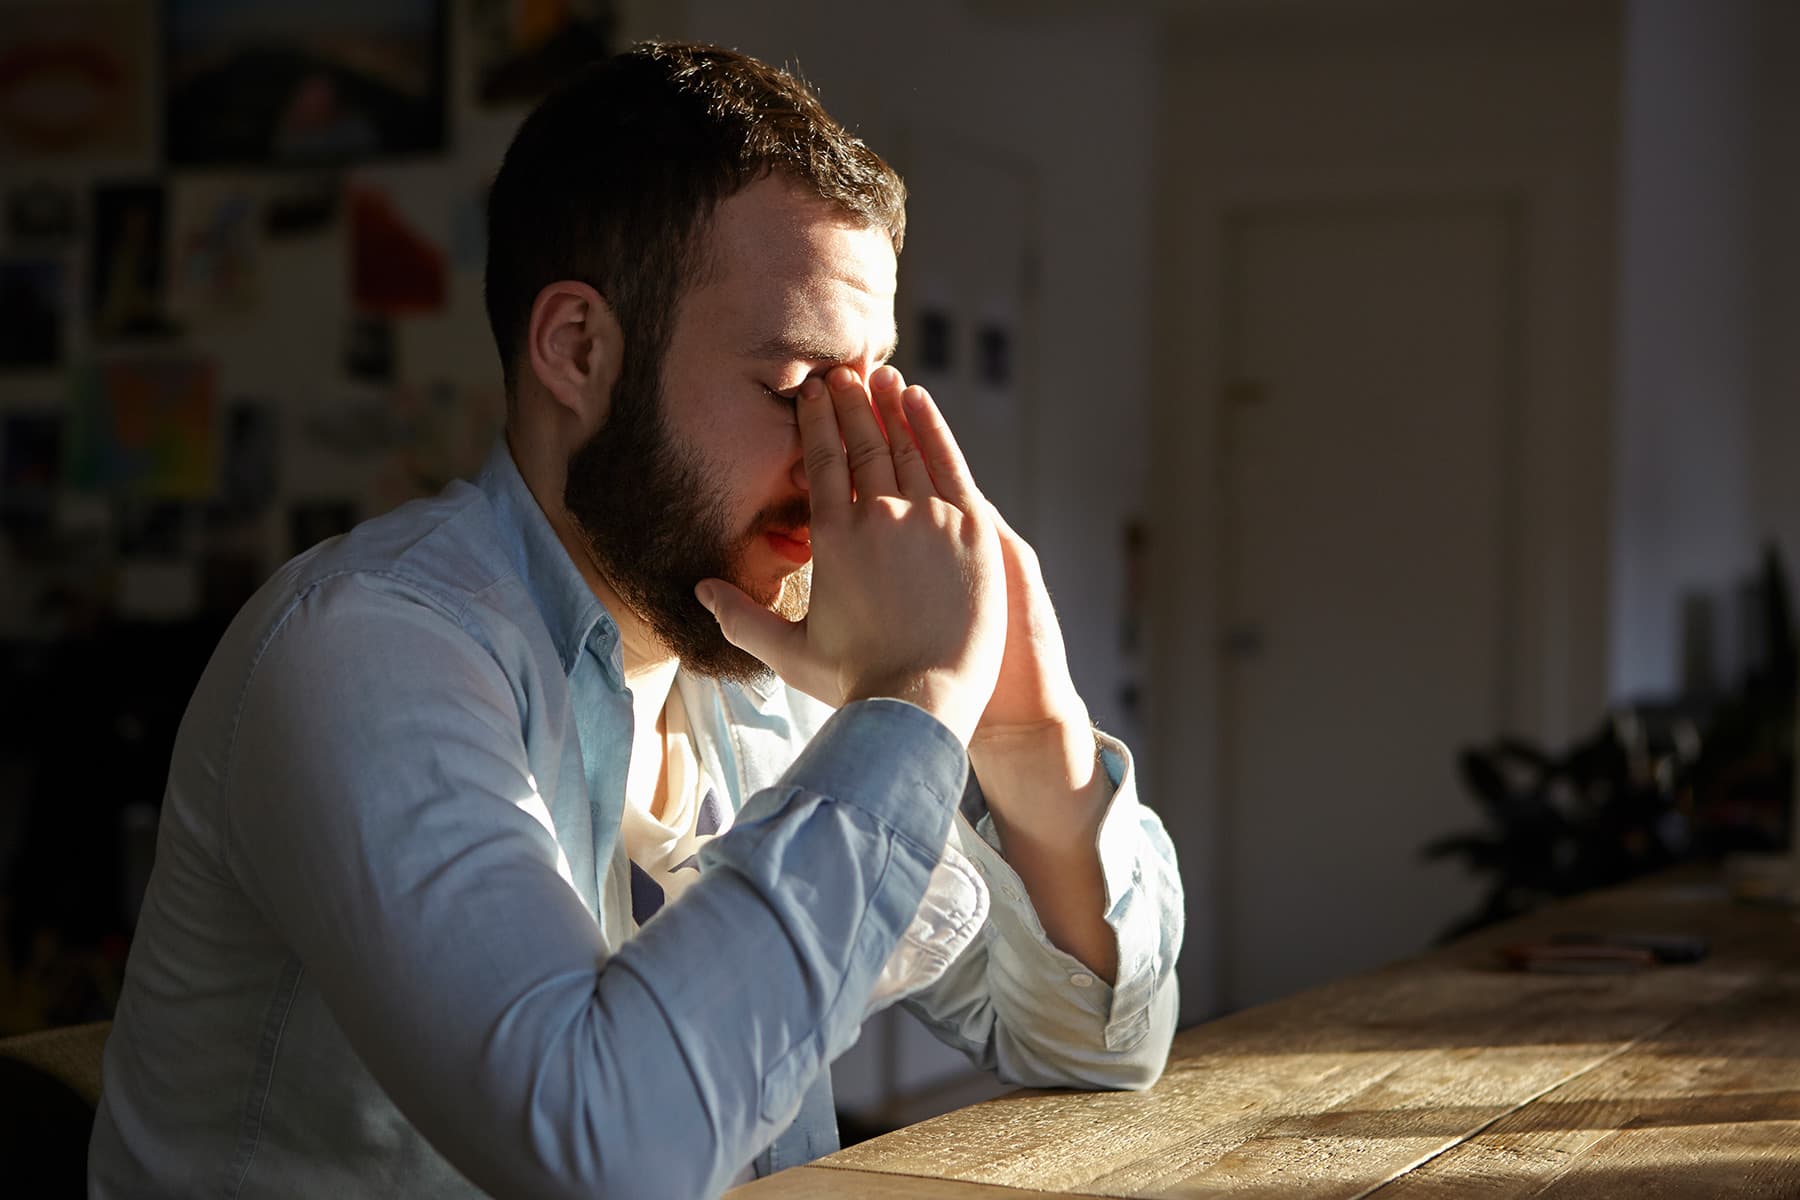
791,513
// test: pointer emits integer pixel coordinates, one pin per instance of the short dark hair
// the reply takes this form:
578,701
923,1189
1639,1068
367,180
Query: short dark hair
612,180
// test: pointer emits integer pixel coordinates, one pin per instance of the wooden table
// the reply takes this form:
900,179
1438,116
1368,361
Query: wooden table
1441,1076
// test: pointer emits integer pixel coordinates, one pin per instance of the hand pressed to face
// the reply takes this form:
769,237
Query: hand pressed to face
908,588
1034,690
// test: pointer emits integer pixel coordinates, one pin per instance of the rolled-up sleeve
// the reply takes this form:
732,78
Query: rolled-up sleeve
1034,1014
384,819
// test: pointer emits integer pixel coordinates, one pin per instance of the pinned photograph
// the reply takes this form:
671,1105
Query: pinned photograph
369,349
273,83
312,521
30,470
217,236
74,79
304,206
396,267
251,463
33,300
523,48
41,214
127,269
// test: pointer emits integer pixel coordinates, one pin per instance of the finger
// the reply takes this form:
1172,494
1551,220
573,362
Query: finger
774,640
910,471
822,450
871,466
949,470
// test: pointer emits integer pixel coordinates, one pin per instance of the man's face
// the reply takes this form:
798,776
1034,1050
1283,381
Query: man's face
697,470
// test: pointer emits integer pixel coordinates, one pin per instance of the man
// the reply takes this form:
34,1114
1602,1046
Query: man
494,857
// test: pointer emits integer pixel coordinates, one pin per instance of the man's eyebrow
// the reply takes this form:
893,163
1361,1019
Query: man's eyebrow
787,347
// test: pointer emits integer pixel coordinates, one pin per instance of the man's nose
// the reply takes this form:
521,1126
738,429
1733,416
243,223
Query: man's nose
799,474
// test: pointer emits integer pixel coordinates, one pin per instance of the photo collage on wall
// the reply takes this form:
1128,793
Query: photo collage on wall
233,236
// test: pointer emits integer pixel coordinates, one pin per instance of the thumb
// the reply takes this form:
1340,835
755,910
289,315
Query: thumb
748,625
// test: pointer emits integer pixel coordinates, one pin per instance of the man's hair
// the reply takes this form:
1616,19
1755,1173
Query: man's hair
613,179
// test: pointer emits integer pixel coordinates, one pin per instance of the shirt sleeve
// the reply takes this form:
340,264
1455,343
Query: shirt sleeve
384,819
1034,1014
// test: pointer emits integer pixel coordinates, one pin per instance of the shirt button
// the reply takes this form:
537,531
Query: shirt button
1081,979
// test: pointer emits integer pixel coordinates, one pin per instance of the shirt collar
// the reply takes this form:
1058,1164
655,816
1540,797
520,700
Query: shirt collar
574,615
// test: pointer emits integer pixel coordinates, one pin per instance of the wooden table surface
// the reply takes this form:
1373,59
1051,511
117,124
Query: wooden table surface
1445,1075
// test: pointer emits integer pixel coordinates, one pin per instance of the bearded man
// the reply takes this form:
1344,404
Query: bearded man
552,836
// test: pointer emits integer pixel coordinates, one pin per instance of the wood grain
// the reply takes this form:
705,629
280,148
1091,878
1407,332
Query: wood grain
818,1182
1443,1075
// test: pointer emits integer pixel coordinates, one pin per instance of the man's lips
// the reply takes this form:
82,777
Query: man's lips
793,545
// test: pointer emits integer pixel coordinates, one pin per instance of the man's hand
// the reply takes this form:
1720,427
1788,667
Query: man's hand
1034,749
908,588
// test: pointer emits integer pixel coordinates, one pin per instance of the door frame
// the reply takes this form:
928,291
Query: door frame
1561,499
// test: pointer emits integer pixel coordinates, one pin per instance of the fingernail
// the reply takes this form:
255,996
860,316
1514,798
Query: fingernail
884,377
704,595
841,378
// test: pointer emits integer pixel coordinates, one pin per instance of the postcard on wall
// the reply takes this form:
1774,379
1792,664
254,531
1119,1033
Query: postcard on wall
523,48
303,205
216,249
146,426
274,83
127,269
75,79
33,303
398,263
30,469
41,215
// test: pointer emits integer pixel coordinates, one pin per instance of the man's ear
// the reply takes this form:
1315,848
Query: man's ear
573,347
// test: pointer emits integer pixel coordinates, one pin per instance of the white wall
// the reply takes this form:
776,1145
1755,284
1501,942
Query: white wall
1297,99
1684,502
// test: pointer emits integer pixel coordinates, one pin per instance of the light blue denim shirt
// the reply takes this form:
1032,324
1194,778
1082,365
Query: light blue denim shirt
387,947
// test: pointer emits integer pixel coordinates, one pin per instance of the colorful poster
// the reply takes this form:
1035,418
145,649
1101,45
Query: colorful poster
146,427
272,82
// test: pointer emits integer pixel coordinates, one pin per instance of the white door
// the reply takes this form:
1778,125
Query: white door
1370,359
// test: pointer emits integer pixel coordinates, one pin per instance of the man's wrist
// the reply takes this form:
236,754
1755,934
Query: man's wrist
1067,748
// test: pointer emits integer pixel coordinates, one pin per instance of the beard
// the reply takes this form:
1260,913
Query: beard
655,527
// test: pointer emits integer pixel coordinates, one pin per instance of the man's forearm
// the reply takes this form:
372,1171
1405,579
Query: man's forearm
1047,794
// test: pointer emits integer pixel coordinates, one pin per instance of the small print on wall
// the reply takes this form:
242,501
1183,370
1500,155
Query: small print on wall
74,78
30,470
272,82
523,48
312,521
396,268
33,299
215,259
41,215
127,270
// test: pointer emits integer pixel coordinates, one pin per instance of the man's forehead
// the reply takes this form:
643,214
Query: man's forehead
807,341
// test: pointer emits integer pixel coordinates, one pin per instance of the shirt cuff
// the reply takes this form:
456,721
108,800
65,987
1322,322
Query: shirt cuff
880,755
1125,1006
